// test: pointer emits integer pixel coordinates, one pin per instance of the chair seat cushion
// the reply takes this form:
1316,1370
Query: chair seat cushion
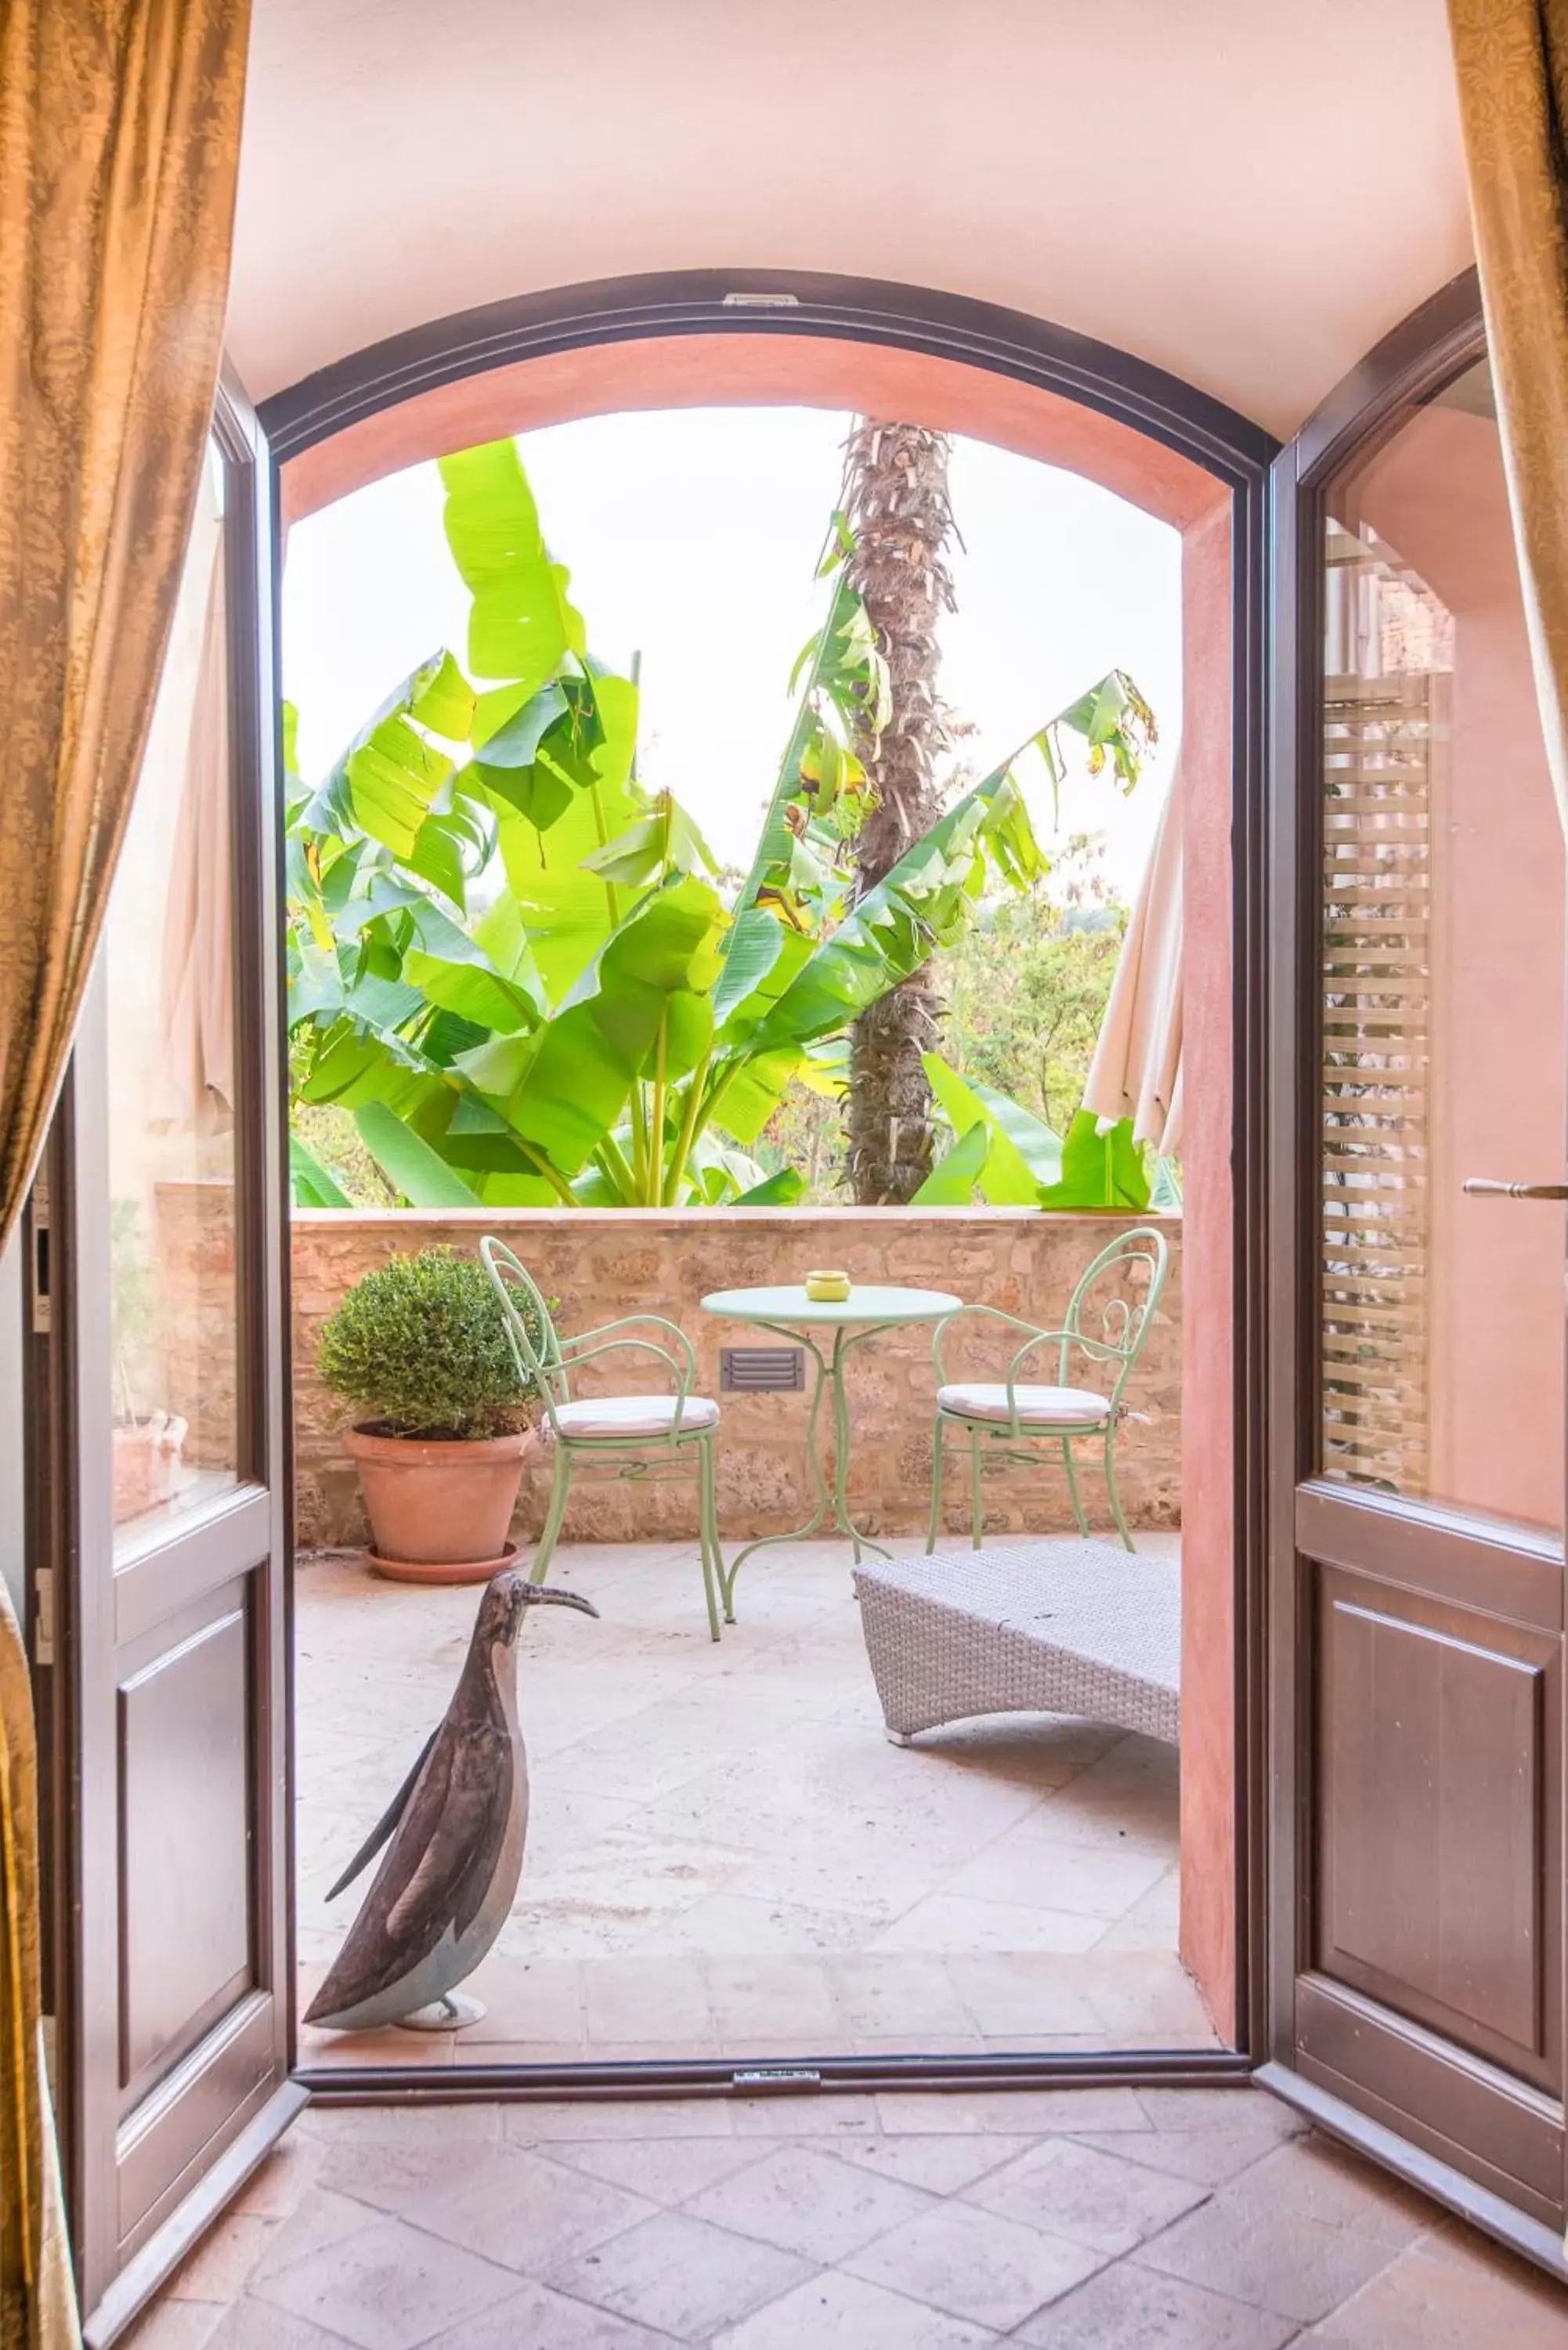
1037,1407
631,1416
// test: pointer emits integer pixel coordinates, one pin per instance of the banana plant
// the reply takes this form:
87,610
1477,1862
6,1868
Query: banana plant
515,965
1011,1159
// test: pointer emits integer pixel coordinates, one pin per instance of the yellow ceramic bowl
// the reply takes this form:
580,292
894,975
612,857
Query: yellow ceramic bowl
827,1287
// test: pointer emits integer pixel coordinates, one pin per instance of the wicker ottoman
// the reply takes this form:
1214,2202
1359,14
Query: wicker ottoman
1073,1627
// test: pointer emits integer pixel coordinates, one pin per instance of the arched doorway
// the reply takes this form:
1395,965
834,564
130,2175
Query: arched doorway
965,368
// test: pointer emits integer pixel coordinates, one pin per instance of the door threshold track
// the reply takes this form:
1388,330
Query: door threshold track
1195,2069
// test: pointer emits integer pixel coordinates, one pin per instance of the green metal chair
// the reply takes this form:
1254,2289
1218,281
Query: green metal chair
1001,1419
633,1434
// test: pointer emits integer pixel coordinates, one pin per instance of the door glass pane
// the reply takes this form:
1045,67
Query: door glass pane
1442,976
168,950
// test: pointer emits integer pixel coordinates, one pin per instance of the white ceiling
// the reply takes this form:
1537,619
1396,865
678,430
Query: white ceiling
1248,193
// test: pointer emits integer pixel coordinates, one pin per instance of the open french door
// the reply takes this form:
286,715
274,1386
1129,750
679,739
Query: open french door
1417,1979
162,1245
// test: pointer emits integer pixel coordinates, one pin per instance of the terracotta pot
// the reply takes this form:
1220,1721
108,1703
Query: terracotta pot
440,1504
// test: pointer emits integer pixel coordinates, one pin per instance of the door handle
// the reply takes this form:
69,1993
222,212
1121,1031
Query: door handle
1479,1187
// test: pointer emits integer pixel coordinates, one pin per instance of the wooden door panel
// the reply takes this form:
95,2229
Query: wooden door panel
1435,1831
205,2102
1472,2115
186,1849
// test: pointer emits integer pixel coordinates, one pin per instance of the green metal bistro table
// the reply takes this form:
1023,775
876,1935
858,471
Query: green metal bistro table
791,1314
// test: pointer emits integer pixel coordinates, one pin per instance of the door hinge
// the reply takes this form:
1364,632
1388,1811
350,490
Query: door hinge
44,1616
40,1265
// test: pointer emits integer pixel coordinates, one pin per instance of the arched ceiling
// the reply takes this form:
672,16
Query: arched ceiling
1248,193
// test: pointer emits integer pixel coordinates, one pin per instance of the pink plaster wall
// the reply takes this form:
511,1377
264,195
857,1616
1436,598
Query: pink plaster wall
1209,1924
753,371
1437,494
819,372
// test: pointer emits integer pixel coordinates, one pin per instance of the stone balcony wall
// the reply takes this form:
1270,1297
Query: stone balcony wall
603,1264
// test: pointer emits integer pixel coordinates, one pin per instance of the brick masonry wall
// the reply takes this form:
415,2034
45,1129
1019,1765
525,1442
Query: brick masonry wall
604,1264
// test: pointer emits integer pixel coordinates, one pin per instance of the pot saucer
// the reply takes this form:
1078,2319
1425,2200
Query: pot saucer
425,1570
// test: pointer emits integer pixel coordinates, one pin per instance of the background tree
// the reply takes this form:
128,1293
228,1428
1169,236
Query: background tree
900,524
1028,984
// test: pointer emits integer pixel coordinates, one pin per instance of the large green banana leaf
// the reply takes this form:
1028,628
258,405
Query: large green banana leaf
564,1088
1022,1154
952,1181
522,623
311,1184
414,1171
897,926
568,911
1099,1169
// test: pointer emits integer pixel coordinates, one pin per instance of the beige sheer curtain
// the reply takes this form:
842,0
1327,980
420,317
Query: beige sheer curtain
1136,1068
196,994
119,127
1511,58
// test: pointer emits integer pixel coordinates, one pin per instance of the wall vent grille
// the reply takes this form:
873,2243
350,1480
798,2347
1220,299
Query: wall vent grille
762,1370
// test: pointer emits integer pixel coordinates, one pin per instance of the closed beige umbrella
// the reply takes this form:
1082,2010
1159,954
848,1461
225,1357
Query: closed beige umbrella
196,1011
1137,1069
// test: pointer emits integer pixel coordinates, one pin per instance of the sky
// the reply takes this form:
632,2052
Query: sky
692,537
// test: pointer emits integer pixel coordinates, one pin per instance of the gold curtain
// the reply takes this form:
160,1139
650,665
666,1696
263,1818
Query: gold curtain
1511,58
37,2300
120,127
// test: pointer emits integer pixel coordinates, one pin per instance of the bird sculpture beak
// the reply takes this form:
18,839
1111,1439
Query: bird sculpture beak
551,1595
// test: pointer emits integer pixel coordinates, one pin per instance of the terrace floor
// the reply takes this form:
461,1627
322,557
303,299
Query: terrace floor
725,1854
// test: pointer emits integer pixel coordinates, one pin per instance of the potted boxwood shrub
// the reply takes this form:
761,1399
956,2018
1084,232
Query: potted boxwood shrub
420,1348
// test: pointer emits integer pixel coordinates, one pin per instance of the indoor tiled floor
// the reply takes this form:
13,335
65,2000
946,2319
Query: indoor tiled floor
1068,2220
726,1856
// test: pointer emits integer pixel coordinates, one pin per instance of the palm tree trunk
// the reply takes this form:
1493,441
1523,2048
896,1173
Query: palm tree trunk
895,502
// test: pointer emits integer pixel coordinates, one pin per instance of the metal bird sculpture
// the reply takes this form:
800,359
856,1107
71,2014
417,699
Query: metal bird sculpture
457,1826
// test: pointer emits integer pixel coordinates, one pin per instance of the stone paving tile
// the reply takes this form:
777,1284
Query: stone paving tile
666,2171
321,2218
1026,1866
834,2310
258,2325
1010,2112
1425,2301
1217,2133
831,2115
1126,2308
526,2212
398,2175
221,2262
808,2203
940,2165
1324,2182
1275,2256
400,2124
272,2191
956,1925
538,2122
538,2319
1101,2201
778,1999
388,2288
975,2264
681,2276
176,2326
907,1992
